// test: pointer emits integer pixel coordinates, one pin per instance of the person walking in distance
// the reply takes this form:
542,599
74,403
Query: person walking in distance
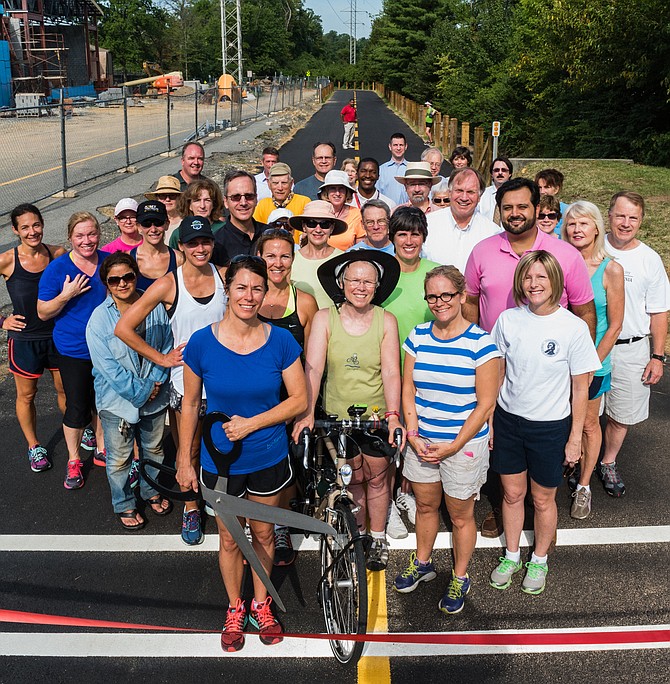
348,116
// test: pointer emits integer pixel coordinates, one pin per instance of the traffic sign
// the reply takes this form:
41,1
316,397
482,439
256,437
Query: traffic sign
495,129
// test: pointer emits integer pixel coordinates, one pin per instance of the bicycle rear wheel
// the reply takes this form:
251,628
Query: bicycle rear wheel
344,591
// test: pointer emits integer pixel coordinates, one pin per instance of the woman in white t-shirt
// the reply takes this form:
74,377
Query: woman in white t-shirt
537,425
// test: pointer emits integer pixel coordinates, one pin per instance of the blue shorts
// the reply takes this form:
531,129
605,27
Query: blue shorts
599,385
29,358
521,445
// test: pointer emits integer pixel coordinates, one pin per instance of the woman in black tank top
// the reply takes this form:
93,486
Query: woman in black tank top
30,342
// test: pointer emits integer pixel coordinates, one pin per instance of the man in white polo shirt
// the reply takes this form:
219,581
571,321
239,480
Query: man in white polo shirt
269,158
645,325
454,231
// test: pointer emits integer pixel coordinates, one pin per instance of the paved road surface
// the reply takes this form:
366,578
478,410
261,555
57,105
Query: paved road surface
62,553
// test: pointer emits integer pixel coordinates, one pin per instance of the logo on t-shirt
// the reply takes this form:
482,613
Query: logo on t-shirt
550,347
352,362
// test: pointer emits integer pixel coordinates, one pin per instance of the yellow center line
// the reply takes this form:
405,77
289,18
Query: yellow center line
85,159
376,669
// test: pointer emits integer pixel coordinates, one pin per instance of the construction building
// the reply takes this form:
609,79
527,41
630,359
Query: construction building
49,45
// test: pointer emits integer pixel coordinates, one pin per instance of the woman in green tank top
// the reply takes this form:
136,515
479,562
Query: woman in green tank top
356,343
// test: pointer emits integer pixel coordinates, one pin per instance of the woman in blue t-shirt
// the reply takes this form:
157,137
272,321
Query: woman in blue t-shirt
242,363
70,289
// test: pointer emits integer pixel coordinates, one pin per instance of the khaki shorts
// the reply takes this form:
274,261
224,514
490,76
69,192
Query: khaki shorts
462,476
627,402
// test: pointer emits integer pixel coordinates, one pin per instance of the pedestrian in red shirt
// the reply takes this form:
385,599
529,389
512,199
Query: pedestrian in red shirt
348,116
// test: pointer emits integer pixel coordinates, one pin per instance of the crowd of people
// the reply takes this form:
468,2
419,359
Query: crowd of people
492,324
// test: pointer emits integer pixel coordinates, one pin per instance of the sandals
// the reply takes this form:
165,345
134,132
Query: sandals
158,501
130,515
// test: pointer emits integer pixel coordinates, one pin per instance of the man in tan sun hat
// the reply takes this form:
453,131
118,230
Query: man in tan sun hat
418,180
167,192
318,222
280,180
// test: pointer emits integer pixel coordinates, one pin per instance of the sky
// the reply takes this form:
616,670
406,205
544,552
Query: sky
335,14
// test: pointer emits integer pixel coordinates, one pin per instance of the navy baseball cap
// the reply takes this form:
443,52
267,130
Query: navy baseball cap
193,227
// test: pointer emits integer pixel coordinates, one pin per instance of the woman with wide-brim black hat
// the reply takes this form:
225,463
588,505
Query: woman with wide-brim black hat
356,342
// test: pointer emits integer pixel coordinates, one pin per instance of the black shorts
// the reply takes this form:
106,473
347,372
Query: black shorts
77,377
370,443
429,125
29,358
175,399
266,482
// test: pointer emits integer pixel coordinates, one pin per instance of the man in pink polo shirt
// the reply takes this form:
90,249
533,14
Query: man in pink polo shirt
489,273
489,276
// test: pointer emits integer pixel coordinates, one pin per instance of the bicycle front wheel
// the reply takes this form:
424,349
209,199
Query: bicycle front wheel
344,591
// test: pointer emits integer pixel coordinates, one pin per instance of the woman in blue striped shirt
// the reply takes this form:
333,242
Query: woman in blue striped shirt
450,383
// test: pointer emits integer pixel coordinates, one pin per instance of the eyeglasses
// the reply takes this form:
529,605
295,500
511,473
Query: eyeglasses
381,222
237,197
445,297
127,219
152,222
552,216
279,223
278,232
126,277
242,258
355,282
441,200
502,171
326,224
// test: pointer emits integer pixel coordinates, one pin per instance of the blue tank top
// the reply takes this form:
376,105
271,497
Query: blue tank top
602,321
143,281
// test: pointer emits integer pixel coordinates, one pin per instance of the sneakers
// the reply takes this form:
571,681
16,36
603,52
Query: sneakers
501,577
191,529
261,618
535,579
232,635
74,479
100,458
134,473
38,458
611,479
408,580
284,552
581,504
405,501
378,556
492,525
454,600
395,527
88,440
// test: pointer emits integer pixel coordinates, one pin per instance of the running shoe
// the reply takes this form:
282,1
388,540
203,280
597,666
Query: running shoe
191,528
100,458
74,478
405,501
454,600
88,440
395,527
232,635
408,580
261,618
378,556
581,505
611,479
501,577
38,458
535,579
284,551
134,473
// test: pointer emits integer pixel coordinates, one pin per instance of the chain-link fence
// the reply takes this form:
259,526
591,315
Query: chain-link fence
48,148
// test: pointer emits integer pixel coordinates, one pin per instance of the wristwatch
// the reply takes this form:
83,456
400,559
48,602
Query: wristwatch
659,357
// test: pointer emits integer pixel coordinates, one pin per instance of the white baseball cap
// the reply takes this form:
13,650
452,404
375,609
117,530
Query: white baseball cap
125,204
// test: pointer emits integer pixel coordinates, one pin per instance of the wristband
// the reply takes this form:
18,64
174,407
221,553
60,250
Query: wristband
392,413
412,433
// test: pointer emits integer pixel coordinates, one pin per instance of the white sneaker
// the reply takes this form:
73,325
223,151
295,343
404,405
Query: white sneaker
395,527
405,501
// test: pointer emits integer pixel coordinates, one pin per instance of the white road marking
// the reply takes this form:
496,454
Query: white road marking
89,543
134,645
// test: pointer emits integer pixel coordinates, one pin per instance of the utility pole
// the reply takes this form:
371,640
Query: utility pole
231,38
352,32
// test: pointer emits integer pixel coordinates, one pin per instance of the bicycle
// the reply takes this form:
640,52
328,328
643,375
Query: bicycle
342,590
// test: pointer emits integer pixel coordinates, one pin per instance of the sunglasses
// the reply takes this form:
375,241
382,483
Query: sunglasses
278,232
152,222
246,258
326,224
279,223
552,216
129,277
445,297
237,197
441,200
167,195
